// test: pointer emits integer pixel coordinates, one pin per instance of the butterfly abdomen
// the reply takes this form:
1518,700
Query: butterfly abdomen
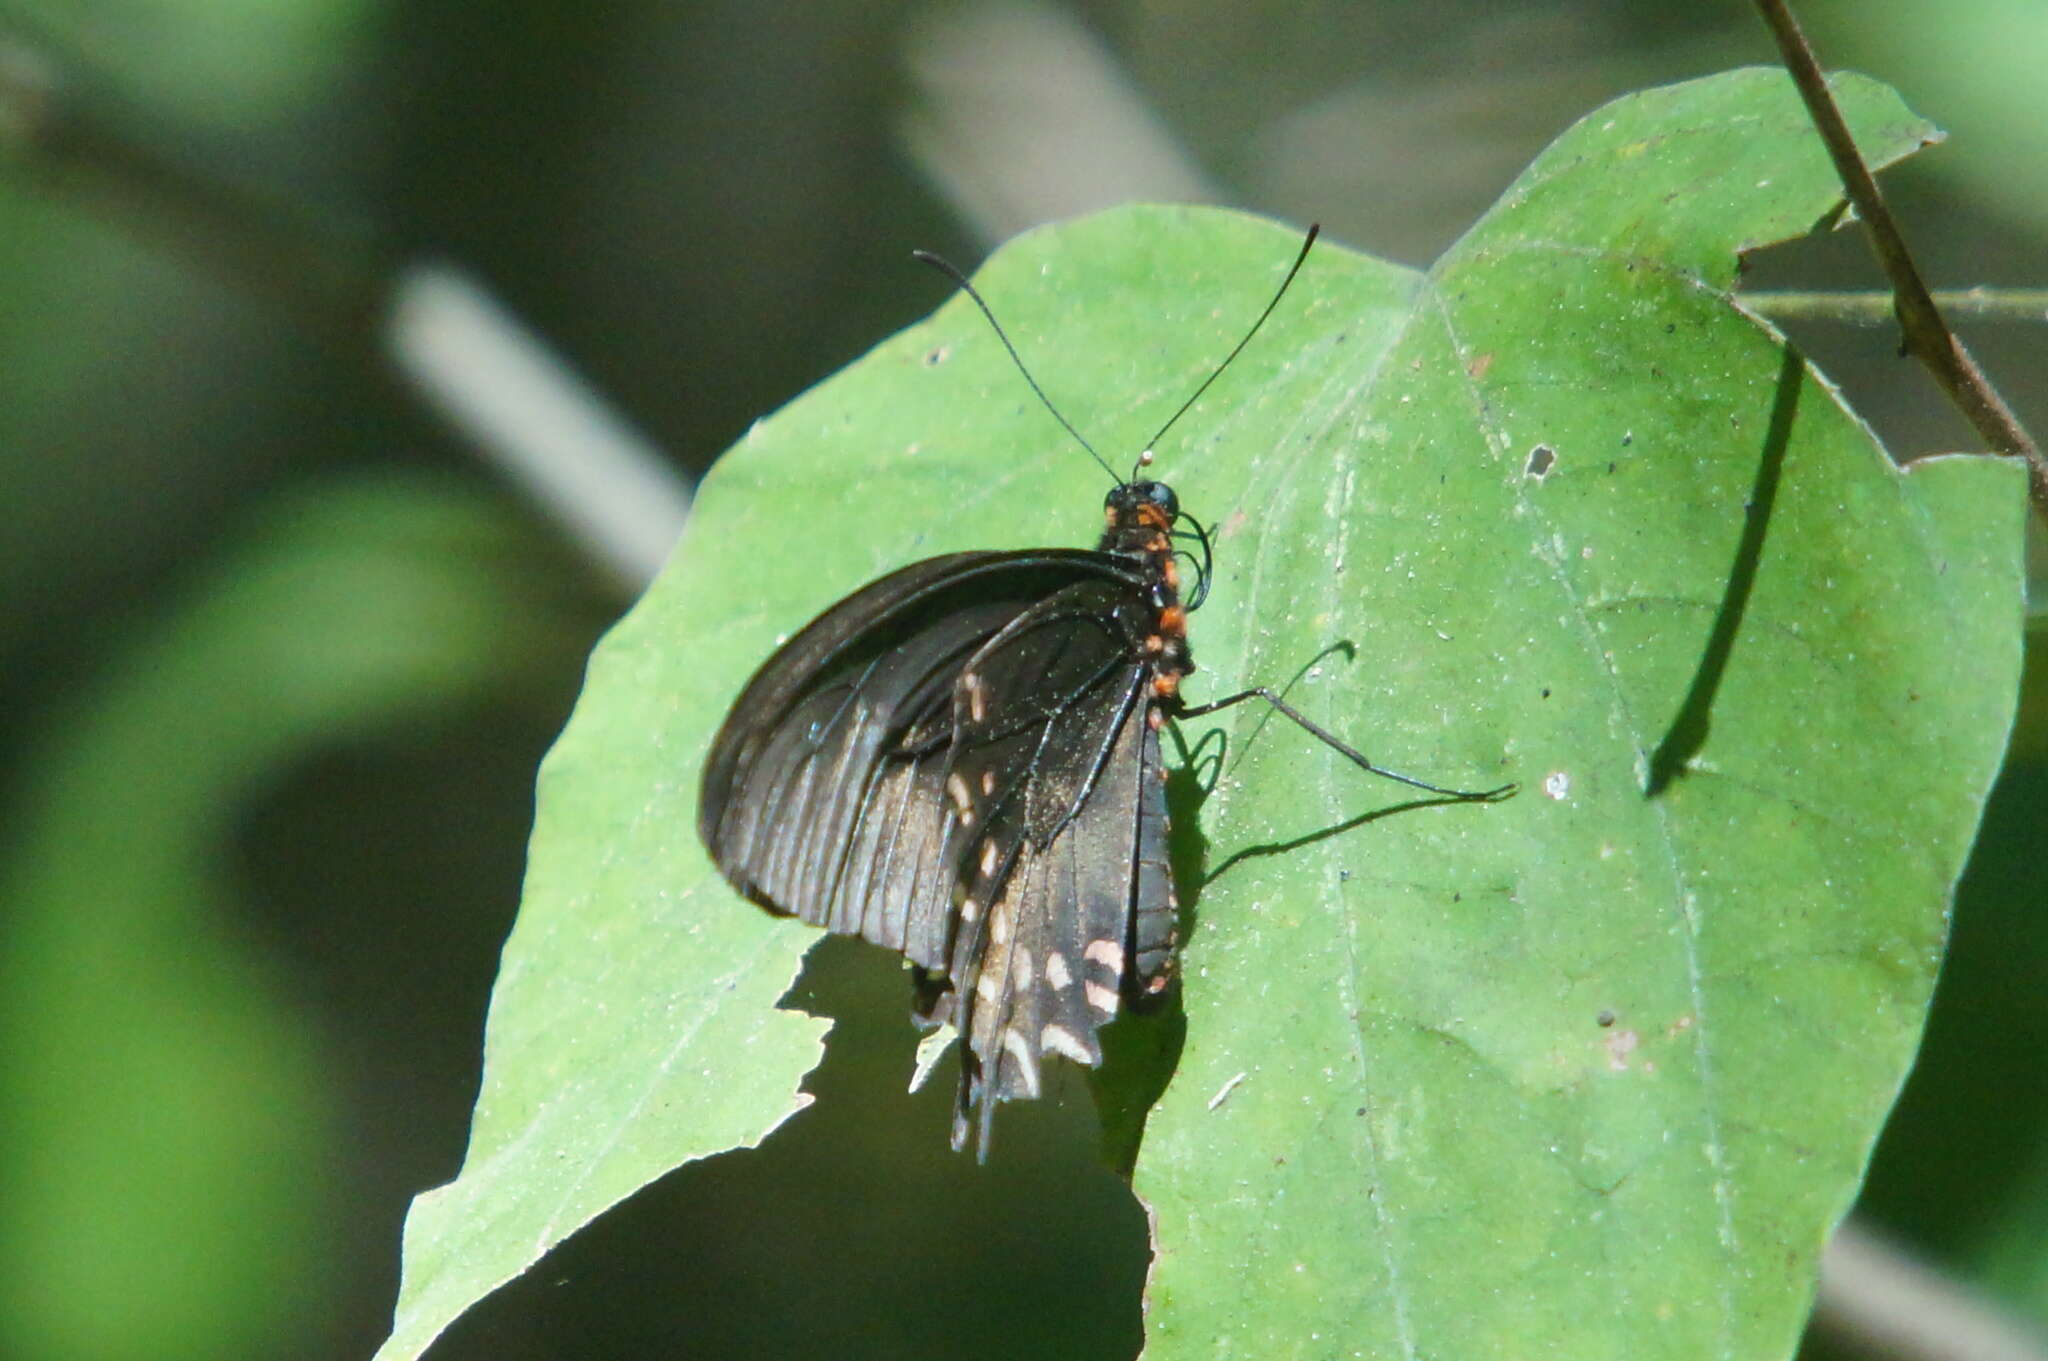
1141,517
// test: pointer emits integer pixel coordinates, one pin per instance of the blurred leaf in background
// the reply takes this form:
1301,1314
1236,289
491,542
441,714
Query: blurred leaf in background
227,66
172,1172
1979,64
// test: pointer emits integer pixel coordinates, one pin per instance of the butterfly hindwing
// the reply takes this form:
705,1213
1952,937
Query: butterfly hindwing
1053,780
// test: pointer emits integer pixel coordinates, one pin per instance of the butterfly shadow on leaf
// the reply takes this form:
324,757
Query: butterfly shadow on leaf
847,1231
1142,1049
1204,769
870,1108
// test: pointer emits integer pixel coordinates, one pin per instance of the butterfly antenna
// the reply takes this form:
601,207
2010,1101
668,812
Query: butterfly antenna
946,268
1314,231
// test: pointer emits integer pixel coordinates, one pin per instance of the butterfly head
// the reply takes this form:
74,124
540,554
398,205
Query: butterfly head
1149,505
1138,520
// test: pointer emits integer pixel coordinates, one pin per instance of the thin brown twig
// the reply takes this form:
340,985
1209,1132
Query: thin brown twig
1874,307
1926,335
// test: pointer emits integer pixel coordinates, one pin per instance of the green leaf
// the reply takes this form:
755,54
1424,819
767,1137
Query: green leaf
1591,1072
238,64
1595,1074
168,1123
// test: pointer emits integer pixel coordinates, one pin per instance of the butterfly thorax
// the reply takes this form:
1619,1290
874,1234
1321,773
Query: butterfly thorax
1139,519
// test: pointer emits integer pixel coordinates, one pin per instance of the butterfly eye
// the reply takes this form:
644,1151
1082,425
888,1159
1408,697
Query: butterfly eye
1161,495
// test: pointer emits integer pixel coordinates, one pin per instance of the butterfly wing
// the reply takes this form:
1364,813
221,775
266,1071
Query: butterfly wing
823,793
955,762
1056,825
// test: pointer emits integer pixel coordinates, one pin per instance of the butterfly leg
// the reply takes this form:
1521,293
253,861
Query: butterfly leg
1331,741
1204,567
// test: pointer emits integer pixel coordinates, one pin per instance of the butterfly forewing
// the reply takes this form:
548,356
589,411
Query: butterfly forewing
823,792
829,765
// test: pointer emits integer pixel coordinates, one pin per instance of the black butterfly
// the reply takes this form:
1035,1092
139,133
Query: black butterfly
960,761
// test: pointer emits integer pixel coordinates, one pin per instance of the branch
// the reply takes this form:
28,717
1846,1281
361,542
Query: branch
518,404
1881,1301
536,420
1926,336
1871,308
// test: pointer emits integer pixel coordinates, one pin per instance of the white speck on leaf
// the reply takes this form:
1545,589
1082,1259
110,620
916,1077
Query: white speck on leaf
1223,1092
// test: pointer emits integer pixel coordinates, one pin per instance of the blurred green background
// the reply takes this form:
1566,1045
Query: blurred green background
281,652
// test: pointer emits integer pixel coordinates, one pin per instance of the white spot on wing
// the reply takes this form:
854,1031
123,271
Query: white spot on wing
1100,998
1019,1048
1056,970
1107,953
1020,967
1063,1042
